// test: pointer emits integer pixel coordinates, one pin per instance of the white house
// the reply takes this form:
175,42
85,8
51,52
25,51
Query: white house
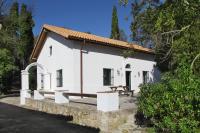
86,63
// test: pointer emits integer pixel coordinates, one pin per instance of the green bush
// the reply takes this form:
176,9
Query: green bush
173,105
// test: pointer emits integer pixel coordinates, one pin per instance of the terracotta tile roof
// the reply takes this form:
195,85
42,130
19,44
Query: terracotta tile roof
71,34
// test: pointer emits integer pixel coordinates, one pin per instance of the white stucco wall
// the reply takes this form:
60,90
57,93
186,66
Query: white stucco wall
97,57
61,58
66,56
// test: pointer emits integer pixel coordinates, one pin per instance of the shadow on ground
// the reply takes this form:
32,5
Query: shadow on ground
14,119
9,95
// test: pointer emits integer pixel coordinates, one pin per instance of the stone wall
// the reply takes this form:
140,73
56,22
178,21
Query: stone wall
115,122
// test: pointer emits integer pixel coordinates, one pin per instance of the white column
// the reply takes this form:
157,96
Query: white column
25,92
60,98
25,80
107,101
123,72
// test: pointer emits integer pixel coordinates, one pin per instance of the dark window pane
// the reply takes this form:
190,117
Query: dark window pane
42,81
50,50
59,78
107,76
145,77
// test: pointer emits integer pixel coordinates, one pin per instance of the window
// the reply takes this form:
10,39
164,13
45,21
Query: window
59,78
145,77
128,66
42,81
50,50
108,77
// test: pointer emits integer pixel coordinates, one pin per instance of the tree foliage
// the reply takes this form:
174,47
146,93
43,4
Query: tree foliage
173,27
173,105
16,42
122,35
167,25
26,35
115,34
6,67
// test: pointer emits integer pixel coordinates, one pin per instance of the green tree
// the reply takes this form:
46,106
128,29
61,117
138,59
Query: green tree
10,23
26,24
9,32
172,105
171,26
6,67
16,41
2,4
122,35
8,44
114,27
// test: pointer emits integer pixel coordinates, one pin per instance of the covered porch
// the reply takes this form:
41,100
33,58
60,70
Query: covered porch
103,101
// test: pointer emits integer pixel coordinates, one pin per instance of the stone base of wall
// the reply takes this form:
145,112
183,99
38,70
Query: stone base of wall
115,122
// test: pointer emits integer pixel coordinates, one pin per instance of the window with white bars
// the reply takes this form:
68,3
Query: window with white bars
50,50
42,81
108,76
145,77
59,78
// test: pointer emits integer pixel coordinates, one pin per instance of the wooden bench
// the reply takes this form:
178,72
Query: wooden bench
124,89
63,97
79,94
127,90
39,94
46,92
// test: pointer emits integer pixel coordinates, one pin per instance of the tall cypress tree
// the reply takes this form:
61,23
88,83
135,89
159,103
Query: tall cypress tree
10,29
8,44
12,24
115,28
26,24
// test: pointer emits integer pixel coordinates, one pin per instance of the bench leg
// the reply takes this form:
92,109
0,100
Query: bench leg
60,98
132,93
38,95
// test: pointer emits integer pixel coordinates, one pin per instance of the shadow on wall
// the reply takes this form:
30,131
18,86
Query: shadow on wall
156,75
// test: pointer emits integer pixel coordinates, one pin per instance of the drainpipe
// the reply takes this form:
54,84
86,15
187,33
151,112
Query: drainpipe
81,67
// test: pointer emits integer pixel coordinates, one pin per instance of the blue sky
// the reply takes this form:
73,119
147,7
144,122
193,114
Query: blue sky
82,15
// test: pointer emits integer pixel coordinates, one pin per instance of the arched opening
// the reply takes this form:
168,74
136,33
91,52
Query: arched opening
25,90
30,82
128,66
33,78
128,75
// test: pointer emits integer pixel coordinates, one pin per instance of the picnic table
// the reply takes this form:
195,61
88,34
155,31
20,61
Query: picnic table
122,89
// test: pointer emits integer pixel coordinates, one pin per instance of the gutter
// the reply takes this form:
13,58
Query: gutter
81,68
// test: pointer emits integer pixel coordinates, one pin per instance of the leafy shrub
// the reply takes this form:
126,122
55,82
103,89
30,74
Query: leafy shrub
173,105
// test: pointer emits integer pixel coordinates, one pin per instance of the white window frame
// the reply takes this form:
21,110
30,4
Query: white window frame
42,81
50,50
147,77
111,77
59,78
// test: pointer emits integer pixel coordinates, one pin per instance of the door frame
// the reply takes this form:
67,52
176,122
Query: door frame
129,78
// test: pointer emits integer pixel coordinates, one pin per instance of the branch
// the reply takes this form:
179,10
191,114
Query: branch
169,40
176,31
192,65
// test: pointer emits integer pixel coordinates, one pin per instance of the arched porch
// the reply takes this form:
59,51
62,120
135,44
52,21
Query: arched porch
25,91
